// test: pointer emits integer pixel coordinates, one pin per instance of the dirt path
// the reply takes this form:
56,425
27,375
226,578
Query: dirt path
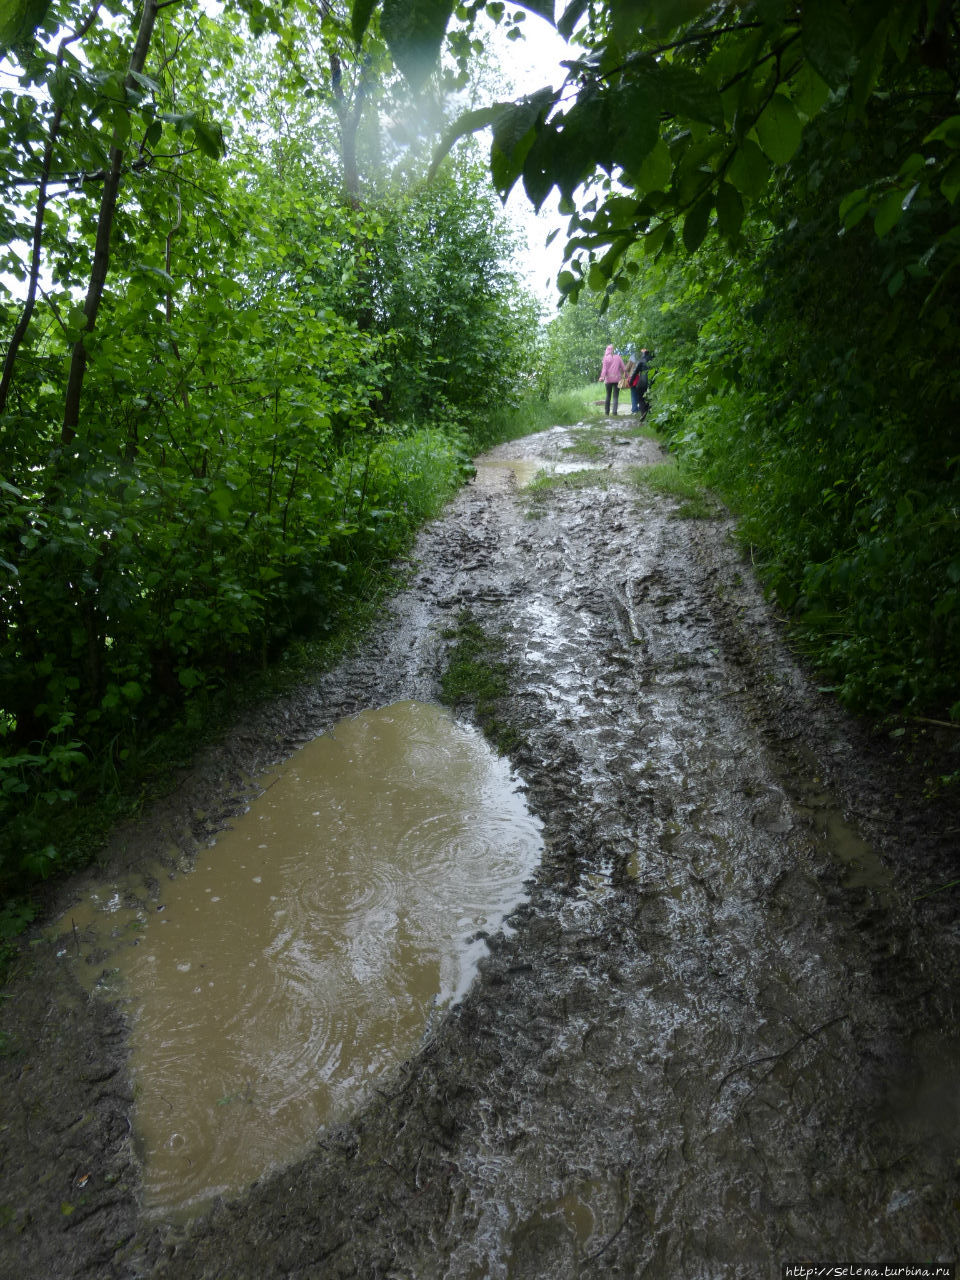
722,1033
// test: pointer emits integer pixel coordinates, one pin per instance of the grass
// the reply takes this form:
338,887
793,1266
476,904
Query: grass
640,431
589,443
477,677
531,416
571,407
582,406
545,481
675,481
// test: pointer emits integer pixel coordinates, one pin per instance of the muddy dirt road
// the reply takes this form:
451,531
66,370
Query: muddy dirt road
722,1032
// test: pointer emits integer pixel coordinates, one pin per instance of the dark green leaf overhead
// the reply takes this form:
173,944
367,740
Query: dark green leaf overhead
19,20
360,17
414,30
828,39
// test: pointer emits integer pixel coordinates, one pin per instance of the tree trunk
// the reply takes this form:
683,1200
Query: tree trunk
101,252
23,324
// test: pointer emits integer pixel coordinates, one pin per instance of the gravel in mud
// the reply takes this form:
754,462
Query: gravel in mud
720,1035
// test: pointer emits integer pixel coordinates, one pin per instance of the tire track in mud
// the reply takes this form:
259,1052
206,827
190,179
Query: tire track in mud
718,1036
731,1050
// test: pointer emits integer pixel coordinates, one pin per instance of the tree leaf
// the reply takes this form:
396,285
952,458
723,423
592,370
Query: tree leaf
851,199
539,171
168,280
697,223
571,16
869,66
888,212
749,170
828,39
809,91
779,129
154,132
583,139
414,31
667,15
684,93
514,133
947,131
19,21
513,126
597,277
854,207
209,138
657,238
655,172
636,104
145,82
729,210
950,182
469,122
360,17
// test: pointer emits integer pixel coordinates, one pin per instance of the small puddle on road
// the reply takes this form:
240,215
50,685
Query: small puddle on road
525,470
305,955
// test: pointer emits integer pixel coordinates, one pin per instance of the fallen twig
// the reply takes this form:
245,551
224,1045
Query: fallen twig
775,1057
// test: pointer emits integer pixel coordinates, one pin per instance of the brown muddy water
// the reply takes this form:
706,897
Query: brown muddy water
308,951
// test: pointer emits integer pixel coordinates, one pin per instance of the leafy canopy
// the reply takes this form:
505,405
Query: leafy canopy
675,116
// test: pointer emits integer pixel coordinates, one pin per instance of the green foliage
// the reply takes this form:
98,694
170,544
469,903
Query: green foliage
577,338
827,419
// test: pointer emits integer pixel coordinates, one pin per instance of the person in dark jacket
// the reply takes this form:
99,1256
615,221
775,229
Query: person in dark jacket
640,384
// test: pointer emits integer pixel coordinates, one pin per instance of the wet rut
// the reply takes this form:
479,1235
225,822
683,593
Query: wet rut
720,1034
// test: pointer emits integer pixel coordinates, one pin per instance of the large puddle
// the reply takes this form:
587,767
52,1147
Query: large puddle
305,955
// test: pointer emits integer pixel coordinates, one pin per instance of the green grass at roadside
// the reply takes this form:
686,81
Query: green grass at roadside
674,480
535,414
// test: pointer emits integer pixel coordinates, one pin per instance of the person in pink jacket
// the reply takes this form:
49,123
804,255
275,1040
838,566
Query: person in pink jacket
611,371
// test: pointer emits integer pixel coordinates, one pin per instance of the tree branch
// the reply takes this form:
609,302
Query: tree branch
101,252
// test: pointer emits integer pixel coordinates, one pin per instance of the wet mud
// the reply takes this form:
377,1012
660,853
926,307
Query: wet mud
721,1032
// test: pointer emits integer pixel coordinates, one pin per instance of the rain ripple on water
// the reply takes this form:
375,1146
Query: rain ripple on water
306,954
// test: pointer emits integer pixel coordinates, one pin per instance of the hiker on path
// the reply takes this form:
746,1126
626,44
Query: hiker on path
640,384
611,371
